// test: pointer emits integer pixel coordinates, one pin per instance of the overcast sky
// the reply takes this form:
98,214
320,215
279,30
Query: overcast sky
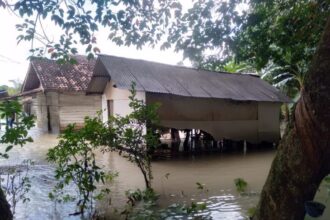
13,57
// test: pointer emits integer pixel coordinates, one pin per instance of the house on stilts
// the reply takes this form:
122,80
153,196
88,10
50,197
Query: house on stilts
225,105
55,93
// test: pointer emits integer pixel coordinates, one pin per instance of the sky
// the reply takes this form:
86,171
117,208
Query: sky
13,56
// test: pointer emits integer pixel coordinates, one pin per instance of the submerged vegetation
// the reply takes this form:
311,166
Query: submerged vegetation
15,183
132,136
76,164
240,184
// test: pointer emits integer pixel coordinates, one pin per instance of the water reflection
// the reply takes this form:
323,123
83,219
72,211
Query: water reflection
175,180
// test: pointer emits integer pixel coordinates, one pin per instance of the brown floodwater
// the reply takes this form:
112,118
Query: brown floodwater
174,180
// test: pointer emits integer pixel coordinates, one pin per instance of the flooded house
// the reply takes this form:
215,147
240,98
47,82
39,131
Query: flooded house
55,93
225,105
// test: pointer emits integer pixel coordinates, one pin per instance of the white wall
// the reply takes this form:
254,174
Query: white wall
120,99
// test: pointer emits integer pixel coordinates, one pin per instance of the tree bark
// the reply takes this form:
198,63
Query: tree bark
5,213
303,156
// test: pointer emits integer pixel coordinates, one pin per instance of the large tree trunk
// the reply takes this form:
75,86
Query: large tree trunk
303,156
5,213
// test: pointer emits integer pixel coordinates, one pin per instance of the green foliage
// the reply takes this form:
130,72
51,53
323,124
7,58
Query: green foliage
277,38
135,137
140,204
251,211
208,26
284,32
137,196
229,66
16,183
143,205
76,164
240,184
130,22
12,90
75,153
18,134
235,67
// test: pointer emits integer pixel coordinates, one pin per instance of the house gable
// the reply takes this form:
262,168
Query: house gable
31,80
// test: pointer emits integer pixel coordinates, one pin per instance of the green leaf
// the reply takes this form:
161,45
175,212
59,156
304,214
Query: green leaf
9,148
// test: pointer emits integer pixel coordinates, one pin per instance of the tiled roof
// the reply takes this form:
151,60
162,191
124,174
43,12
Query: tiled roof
66,77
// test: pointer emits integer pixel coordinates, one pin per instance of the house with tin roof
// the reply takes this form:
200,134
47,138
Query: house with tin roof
225,105
55,93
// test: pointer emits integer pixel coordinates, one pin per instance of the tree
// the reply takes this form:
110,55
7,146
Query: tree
76,165
284,35
302,159
134,134
12,90
265,34
131,135
16,135
130,22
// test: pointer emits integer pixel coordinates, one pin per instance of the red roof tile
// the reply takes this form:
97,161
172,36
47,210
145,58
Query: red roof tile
66,77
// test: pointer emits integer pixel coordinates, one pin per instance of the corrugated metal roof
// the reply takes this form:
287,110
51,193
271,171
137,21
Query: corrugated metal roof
176,80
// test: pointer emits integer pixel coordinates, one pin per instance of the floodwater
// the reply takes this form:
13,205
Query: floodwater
174,180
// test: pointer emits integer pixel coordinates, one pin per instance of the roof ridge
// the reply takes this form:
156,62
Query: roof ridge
178,66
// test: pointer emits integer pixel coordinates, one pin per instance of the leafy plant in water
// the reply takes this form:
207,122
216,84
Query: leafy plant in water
16,183
178,211
251,211
240,184
143,205
18,134
135,138
201,187
76,164
131,135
